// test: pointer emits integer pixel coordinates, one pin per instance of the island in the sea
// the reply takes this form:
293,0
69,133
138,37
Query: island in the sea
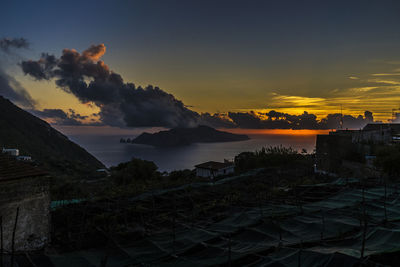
186,136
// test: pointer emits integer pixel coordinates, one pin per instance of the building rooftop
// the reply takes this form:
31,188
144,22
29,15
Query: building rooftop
11,169
213,165
381,126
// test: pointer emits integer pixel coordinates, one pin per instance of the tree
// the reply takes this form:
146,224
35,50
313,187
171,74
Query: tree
277,156
134,170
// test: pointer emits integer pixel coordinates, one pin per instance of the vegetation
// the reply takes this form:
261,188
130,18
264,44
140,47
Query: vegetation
278,156
116,217
138,176
134,171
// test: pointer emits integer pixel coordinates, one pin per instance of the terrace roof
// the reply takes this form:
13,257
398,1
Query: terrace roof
213,165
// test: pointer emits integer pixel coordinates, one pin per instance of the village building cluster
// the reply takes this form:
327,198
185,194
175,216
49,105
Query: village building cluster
15,153
334,149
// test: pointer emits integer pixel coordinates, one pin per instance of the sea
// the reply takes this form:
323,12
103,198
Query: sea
104,144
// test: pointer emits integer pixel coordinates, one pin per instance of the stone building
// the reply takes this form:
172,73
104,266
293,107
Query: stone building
25,188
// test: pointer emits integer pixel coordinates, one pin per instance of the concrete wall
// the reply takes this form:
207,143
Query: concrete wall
225,171
203,172
331,150
32,197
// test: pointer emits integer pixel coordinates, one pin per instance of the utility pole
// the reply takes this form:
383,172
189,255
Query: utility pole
1,241
341,117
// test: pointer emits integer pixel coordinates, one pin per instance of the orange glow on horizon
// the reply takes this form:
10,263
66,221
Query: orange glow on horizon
302,132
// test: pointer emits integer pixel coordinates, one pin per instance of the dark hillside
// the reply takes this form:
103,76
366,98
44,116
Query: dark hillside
36,138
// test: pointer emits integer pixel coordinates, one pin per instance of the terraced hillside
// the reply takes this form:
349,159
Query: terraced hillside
239,221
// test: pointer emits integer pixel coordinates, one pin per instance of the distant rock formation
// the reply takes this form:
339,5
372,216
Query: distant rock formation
187,136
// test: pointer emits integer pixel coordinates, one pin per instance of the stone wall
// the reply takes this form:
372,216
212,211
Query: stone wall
32,197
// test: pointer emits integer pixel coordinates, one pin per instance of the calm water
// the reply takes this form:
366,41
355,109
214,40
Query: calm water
105,146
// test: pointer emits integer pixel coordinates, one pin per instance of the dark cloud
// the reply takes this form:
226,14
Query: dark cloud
368,116
275,120
333,121
279,120
51,113
41,69
303,121
9,87
75,115
13,90
121,104
216,120
6,44
60,117
248,120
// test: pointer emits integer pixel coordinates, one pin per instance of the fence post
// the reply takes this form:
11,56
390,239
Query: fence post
365,224
13,238
1,241
230,250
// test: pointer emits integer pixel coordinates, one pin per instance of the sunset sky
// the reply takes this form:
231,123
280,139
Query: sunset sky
221,56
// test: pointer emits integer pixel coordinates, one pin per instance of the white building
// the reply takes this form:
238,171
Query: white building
11,151
213,169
